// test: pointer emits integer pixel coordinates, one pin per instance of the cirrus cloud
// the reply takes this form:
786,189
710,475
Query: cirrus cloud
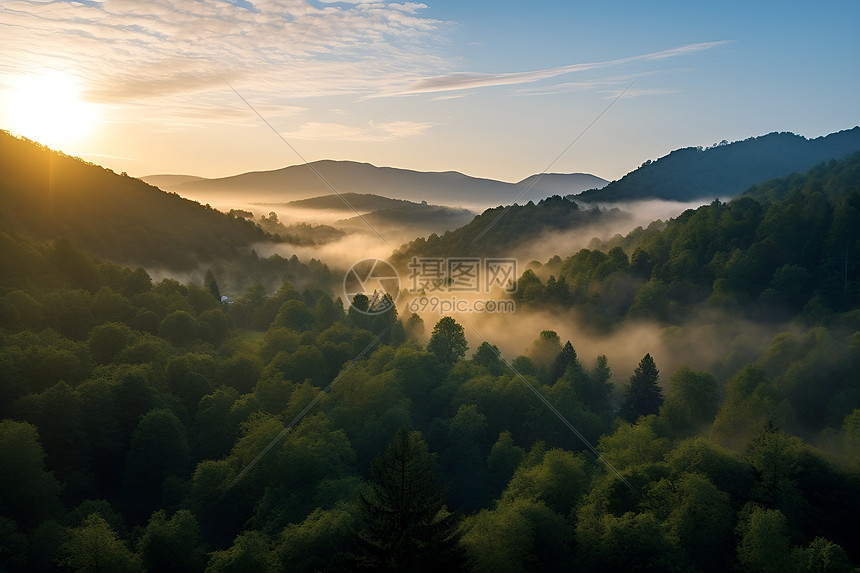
373,132
465,81
172,51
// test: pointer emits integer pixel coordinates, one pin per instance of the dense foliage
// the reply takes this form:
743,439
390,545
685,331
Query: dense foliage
135,415
789,247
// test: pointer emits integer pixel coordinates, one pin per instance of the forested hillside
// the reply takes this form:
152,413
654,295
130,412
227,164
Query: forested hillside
788,247
502,230
726,169
148,427
50,195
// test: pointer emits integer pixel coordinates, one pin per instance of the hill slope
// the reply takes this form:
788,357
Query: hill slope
406,223
47,195
727,169
502,231
300,182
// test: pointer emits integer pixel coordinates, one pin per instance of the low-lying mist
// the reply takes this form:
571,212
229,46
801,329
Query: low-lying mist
708,341
338,255
364,243
632,215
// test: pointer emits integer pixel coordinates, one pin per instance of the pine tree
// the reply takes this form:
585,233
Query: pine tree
600,388
405,525
644,396
210,283
567,357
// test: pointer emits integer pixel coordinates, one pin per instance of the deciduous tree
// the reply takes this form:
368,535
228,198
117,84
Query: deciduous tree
448,342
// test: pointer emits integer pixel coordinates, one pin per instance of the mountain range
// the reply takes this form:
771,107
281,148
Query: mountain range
303,182
692,173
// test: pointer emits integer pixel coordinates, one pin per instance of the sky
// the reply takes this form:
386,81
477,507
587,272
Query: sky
493,89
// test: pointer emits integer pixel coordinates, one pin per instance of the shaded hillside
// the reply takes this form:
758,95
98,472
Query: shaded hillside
502,230
726,169
49,195
346,177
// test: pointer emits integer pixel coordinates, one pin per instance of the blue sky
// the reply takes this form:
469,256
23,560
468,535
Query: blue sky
491,89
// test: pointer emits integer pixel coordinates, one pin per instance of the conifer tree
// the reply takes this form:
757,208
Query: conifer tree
644,396
405,525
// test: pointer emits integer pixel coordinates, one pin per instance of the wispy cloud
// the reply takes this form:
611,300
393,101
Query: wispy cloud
451,96
463,81
636,92
174,52
608,85
373,132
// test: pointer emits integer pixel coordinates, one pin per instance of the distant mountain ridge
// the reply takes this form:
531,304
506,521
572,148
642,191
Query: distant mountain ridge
301,182
168,181
725,170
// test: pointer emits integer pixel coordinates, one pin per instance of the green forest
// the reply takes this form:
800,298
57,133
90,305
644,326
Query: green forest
789,247
149,426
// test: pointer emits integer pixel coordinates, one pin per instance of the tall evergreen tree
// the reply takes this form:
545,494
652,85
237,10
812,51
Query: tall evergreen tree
601,387
405,525
210,283
567,357
644,396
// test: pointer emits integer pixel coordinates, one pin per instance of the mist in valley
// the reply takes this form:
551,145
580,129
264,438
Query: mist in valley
710,342
701,343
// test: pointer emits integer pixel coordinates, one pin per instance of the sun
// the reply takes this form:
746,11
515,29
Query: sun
48,108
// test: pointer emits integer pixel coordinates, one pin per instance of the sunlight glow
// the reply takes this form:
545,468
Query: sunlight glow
47,108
